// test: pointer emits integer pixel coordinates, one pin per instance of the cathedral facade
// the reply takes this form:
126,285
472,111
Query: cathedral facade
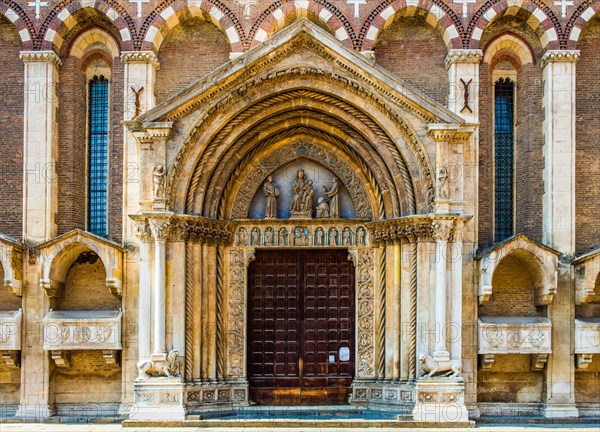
208,205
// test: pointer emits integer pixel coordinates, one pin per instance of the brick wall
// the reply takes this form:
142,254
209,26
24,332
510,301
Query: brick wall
72,156
11,130
115,154
587,188
190,51
529,121
415,52
85,288
513,292
510,380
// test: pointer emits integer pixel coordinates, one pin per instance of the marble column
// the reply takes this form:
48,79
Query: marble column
441,232
40,196
160,227
559,222
145,293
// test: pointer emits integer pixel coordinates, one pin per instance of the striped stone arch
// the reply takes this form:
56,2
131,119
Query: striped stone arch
60,20
584,12
438,14
276,12
166,16
540,18
13,12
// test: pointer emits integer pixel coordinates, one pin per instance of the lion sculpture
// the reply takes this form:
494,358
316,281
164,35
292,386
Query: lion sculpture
169,368
431,366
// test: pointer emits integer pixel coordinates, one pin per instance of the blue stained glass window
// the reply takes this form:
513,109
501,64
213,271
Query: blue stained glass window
504,157
98,156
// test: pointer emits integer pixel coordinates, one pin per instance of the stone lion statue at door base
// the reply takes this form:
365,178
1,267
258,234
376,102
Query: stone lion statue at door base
168,368
431,366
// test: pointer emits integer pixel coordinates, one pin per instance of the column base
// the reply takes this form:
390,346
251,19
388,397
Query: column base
397,394
440,400
158,399
561,411
35,412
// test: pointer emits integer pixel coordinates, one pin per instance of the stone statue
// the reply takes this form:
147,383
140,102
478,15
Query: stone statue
322,208
431,366
168,368
333,237
242,237
319,237
307,197
283,236
298,192
255,237
360,237
269,237
346,237
334,206
160,172
442,183
272,195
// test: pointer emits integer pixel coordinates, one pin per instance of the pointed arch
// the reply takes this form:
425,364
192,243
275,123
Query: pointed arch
167,15
439,15
540,18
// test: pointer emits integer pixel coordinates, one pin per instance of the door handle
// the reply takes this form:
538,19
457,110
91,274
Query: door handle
300,367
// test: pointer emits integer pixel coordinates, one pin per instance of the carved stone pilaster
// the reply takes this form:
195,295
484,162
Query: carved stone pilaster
463,56
555,56
236,335
140,57
365,311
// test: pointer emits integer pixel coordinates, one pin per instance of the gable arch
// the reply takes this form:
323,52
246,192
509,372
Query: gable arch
65,16
583,14
511,45
203,147
438,15
91,38
167,15
325,12
21,21
539,18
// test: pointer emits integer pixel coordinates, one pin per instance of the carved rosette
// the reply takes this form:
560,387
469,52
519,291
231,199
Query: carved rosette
365,269
236,335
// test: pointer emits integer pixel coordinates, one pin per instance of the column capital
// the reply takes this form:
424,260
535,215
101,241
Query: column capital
463,56
40,57
562,56
140,57
441,229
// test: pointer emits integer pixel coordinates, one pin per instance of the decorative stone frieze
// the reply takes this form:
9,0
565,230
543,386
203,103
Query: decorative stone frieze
587,271
365,306
140,57
411,228
587,340
40,57
378,393
10,336
463,56
158,399
82,330
542,260
513,335
200,395
11,261
440,400
570,56
184,227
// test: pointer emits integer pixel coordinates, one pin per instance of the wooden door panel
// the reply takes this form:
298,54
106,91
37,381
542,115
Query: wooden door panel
301,314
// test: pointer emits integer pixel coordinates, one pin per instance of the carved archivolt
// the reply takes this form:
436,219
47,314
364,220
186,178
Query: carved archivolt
282,157
365,269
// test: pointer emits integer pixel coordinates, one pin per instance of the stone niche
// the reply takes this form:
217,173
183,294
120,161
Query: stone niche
66,331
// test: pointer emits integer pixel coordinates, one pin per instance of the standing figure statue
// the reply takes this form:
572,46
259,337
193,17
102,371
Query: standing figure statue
272,195
307,198
442,183
334,207
159,174
298,192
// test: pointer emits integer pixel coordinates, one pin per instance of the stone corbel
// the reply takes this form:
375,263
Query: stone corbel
11,358
538,361
114,285
485,279
61,358
111,357
114,273
544,294
486,361
13,269
583,361
54,289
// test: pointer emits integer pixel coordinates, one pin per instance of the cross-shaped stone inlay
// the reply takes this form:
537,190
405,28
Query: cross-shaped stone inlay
465,4
139,6
38,5
563,6
247,7
357,4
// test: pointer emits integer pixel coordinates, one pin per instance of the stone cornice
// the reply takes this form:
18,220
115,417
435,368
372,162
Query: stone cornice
40,57
463,56
444,132
564,56
150,131
172,227
410,229
140,57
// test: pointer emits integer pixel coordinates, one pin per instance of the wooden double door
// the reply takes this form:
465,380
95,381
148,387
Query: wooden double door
301,327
